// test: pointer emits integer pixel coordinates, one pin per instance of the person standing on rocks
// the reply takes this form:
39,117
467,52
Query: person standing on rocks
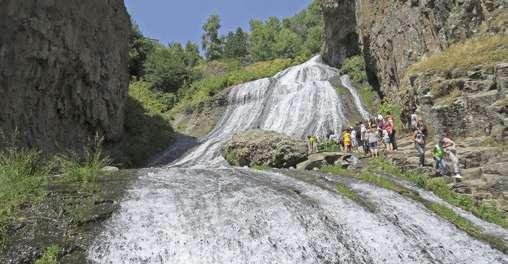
419,138
393,138
354,141
414,120
346,137
450,149
311,144
373,139
363,137
438,154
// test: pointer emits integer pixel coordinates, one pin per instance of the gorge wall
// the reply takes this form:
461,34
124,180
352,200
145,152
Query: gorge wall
394,34
63,71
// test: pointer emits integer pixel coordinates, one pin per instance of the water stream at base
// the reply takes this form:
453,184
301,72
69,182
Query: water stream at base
199,210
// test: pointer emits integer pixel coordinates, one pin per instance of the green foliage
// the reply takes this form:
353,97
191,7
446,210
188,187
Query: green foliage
262,167
23,176
236,44
328,146
50,256
84,169
299,35
232,158
147,126
139,49
192,57
347,192
212,43
166,68
287,44
355,68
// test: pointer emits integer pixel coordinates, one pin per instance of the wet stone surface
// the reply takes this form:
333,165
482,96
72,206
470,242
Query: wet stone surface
70,216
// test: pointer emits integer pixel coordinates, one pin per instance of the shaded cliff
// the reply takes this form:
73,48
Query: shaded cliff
396,34
63,71
340,31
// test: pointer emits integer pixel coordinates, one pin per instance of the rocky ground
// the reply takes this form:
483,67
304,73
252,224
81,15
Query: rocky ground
69,217
484,168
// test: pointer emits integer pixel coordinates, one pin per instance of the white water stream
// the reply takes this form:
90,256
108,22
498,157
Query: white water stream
199,210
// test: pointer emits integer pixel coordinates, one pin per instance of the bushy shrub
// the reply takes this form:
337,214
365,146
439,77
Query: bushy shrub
355,68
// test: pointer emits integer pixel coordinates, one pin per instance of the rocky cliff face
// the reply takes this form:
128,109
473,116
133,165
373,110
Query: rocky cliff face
63,71
395,34
340,31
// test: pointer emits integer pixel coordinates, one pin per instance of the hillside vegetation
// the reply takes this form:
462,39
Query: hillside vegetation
486,50
181,78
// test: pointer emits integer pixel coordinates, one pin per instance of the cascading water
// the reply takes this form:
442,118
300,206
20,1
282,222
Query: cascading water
299,101
200,211
346,82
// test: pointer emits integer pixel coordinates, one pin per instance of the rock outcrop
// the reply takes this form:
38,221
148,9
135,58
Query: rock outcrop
63,71
341,37
464,103
264,148
395,34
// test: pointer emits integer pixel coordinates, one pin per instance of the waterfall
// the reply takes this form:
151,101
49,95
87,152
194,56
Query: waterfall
298,101
199,210
346,82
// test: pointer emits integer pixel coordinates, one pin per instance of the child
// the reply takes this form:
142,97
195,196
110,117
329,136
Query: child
438,153
386,140
347,140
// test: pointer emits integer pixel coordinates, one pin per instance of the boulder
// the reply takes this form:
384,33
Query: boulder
264,148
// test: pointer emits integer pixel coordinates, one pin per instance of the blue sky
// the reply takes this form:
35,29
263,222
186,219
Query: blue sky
181,20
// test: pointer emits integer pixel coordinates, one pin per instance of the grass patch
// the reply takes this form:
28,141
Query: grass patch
147,126
328,146
347,192
84,170
439,187
207,87
232,158
487,50
23,179
50,256
262,167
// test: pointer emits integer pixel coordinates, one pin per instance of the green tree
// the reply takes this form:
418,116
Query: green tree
166,69
139,49
212,43
288,44
236,44
192,56
263,38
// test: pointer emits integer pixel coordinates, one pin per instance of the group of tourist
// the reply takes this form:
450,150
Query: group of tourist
367,136
371,136
444,152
